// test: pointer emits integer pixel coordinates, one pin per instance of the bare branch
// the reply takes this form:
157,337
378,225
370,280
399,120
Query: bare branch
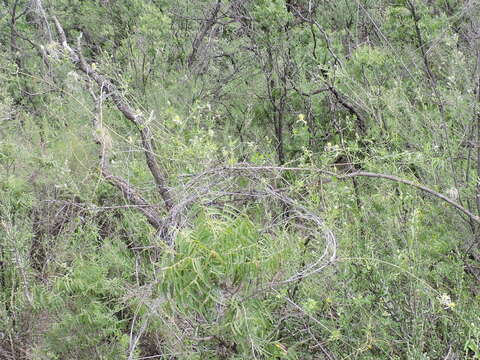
128,112
103,139
209,23
418,186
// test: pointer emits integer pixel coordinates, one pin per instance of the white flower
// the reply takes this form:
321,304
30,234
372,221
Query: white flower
453,193
446,301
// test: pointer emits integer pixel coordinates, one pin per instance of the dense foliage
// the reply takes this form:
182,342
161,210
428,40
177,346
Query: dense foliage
240,179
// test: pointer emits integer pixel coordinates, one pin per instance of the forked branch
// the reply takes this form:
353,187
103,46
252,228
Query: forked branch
103,139
135,117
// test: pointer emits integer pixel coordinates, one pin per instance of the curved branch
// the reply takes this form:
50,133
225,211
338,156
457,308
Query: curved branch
418,186
361,174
